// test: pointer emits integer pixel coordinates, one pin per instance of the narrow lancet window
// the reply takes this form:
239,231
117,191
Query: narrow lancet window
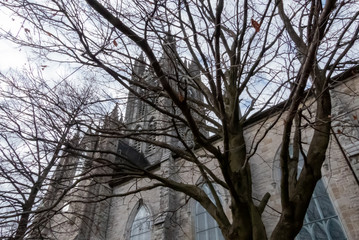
141,226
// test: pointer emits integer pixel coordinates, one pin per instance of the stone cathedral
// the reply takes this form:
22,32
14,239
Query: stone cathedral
164,214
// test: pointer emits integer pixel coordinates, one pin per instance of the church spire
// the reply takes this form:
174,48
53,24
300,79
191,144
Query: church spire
111,120
114,113
75,140
121,119
193,68
169,55
169,44
140,66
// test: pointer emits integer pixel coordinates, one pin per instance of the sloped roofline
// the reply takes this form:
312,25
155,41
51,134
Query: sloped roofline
259,116
336,80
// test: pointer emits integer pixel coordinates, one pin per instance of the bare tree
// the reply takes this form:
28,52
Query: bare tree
240,57
38,121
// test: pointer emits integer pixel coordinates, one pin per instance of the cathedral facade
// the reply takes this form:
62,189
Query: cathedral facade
99,209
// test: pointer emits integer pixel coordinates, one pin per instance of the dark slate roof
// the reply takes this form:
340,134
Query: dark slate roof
130,155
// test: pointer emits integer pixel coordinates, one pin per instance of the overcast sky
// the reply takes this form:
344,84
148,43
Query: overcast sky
11,57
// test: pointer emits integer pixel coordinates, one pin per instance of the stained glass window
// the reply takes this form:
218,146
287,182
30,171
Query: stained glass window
321,220
141,226
206,227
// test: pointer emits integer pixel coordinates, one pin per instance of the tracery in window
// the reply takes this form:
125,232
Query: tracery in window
137,144
141,226
180,135
142,110
205,226
152,137
189,138
321,220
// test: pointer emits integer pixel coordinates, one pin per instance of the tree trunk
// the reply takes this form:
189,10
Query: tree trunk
247,224
293,213
24,219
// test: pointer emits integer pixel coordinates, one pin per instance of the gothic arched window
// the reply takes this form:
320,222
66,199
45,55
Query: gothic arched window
205,226
321,220
189,138
141,226
142,109
137,144
152,131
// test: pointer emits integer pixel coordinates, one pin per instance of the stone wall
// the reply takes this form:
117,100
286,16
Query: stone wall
337,177
172,213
